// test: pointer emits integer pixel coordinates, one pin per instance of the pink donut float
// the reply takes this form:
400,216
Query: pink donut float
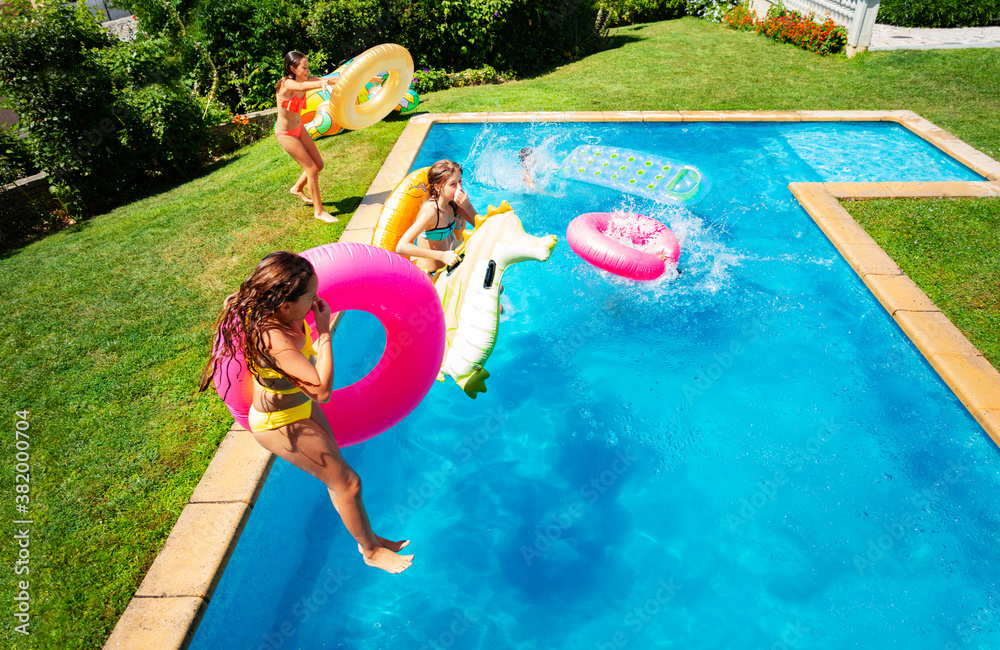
599,237
401,296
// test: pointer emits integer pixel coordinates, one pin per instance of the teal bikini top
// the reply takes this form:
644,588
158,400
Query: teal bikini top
439,234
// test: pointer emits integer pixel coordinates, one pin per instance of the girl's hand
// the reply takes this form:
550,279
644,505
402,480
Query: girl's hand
449,258
321,312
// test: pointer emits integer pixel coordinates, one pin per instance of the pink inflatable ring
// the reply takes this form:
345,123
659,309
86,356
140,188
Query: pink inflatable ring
597,237
401,296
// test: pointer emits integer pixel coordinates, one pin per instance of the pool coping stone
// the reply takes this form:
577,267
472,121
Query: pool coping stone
173,596
971,377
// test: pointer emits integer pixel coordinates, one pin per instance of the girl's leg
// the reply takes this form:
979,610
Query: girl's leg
297,150
313,151
298,187
309,445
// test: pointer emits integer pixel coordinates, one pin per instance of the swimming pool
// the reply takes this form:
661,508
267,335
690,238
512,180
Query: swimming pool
748,455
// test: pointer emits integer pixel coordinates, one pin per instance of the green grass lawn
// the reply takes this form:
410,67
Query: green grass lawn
106,325
951,249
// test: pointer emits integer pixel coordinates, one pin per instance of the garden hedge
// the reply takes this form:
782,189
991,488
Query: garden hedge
940,13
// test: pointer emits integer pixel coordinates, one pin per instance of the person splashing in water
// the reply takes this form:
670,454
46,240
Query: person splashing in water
292,372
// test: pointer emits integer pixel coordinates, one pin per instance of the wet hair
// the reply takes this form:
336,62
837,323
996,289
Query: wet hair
247,314
438,174
292,60
523,154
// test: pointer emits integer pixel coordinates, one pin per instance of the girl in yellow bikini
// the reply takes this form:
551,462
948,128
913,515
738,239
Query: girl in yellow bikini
291,370
292,136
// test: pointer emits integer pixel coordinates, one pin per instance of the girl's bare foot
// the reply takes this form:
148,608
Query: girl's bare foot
326,216
387,560
385,556
301,195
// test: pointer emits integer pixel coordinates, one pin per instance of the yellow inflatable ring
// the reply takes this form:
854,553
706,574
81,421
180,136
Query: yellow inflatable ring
400,210
389,57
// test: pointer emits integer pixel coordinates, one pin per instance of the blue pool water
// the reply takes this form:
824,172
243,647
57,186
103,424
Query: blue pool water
748,455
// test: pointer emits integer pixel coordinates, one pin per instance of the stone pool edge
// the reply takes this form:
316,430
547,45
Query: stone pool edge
957,361
168,606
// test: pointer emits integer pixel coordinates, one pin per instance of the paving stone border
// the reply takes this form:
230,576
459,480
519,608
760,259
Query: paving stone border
890,37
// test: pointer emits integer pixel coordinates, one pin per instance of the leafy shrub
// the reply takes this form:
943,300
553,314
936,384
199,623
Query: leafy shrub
163,123
512,35
345,28
97,113
940,13
429,80
790,27
624,12
246,35
15,159
158,16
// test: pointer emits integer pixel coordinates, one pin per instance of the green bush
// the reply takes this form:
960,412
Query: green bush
940,13
510,35
99,114
625,12
345,28
247,35
428,80
238,45
158,16
15,159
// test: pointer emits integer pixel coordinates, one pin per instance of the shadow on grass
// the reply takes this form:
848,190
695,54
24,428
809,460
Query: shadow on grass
136,188
612,42
345,206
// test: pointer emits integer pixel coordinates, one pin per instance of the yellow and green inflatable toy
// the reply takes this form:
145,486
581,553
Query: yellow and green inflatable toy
470,292
369,87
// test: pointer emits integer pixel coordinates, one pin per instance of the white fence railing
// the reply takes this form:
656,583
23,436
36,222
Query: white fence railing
858,16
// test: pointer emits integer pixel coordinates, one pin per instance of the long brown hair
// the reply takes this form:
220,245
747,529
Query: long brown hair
292,60
440,172
247,314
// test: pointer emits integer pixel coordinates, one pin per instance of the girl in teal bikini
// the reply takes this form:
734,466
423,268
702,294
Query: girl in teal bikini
438,228
291,370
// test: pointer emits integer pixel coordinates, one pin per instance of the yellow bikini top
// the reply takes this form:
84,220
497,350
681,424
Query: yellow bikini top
307,350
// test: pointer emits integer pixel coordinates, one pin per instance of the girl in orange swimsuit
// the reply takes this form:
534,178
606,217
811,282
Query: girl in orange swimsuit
291,370
293,138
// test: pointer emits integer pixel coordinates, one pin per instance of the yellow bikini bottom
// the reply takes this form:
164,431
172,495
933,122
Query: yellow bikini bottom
267,421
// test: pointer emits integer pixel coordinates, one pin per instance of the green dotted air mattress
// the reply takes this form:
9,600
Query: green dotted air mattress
635,172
